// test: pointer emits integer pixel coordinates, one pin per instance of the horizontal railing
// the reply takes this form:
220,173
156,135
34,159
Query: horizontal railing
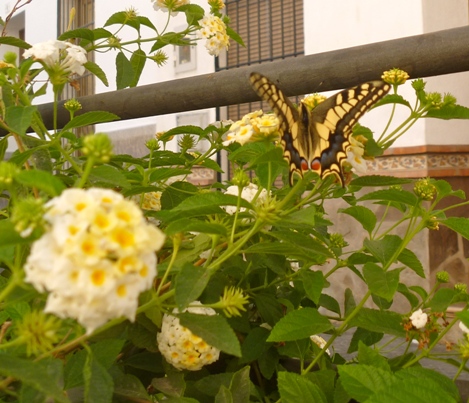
426,55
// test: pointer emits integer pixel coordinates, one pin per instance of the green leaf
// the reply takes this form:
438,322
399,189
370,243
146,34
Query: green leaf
160,174
363,215
130,387
193,13
125,72
137,60
458,224
412,390
378,180
363,381
41,180
214,330
409,258
294,388
330,303
364,336
383,249
303,241
19,118
210,385
194,225
313,283
190,283
255,344
80,33
187,129
372,357
98,383
234,35
176,193
381,283
463,317
3,147
33,374
240,386
442,299
448,112
269,307
94,69
393,99
392,195
379,321
108,176
171,385
304,218
106,351
9,236
224,395
90,118
299,324
12,41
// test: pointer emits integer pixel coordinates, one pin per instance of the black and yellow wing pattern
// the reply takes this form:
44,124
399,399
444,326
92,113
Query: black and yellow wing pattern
318,140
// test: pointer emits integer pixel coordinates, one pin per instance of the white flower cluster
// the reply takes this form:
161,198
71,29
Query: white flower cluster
169,5
151,201
419,319
248,193
253,126
96,257
214,30
182,348
54,53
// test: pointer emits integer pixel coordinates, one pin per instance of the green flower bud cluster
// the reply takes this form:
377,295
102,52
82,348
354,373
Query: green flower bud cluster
425,189
97,146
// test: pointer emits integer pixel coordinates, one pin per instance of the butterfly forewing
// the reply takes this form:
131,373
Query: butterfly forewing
319,139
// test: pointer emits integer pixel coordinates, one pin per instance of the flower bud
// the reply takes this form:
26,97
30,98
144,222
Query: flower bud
10,58
72,105
160,58
27,215
240,178
424,189
8,171
97,146
233,301
338,241
418,85
442,276
433,224
461,288
186,142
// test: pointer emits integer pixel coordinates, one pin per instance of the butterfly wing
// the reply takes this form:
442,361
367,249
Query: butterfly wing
292,129
319,139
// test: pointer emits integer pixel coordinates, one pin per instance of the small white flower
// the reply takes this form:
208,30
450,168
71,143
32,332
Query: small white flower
183,349
419,319
464,328
248,193
165,4
213,29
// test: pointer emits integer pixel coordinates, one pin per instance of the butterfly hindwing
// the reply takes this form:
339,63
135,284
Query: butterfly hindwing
319,139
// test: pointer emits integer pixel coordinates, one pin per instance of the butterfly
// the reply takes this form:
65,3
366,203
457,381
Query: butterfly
318,139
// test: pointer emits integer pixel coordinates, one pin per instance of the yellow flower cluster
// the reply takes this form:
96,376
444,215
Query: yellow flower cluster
395,76
254,126
96,257
214,30
313,100
183,349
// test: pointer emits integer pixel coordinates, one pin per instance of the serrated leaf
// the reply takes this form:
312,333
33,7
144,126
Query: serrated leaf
176,193
130,387
372,357
299,324
364,336
457,224
190,283
19,118
330,303
41,180
363,215
80,33
99,385
442,299
94,69
379,321
294,388
108,176
363,381
125,72
410,259
137,60
32,373
193,13
240,386
234,35
378,180
381,283
269,307
448,112
90,118
393,99
160,174
391,195
383,249
194,225
187,129
255,344
172,385
313,283
215,330
13,41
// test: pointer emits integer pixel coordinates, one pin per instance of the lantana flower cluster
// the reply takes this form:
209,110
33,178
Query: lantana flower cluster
180,347
169,5
214,30
248,193
254,126
59,56
95,258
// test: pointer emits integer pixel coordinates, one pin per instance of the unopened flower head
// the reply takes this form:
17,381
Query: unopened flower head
72,105
442,276
433,223
27,215
169,5
213,29
8,171
233,301
240,178
338,241
461,288
59,58
38,331
95,258
97,146
419,319
216,5
186,142
425,189
395,76
183,349
159,57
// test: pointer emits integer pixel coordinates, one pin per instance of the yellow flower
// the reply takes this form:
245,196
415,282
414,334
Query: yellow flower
395,76
313,100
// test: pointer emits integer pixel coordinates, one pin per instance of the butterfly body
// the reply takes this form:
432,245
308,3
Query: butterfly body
318,140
